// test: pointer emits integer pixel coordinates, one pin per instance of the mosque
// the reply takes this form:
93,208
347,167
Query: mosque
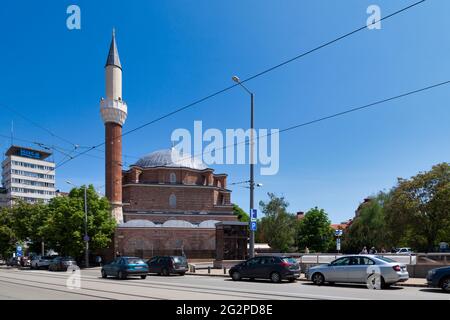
165,203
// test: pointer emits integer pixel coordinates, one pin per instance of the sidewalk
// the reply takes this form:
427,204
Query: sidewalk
412,282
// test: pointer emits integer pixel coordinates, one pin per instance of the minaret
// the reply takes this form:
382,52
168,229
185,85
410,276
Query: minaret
114,114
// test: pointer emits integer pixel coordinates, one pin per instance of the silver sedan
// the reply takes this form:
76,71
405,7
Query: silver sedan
375,271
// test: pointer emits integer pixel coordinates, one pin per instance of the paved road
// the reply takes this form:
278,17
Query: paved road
41,284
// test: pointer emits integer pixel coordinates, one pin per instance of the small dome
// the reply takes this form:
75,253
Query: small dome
177,224
170,158
138,224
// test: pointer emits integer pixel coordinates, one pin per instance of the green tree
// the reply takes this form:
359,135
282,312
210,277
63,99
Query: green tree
314,231
418,213
64,228
7,236
240,213
369,228
277,227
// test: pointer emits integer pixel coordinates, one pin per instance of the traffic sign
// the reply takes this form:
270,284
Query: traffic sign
19,251
338,233
253,226
86,238
338,244
253,214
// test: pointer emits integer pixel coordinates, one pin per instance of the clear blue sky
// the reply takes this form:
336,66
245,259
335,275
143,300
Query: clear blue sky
174,52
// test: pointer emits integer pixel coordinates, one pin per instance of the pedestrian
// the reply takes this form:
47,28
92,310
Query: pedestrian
364,250
98,259
306,250
383,250
373,250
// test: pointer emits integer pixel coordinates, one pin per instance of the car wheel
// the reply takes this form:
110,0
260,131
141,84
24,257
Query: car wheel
275,277
143,277
384,285
236,276
104,275
318,278
165,272
291,280
445,284
120,275
182,273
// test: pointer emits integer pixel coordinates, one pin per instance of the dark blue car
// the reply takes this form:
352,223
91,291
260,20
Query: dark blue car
439,278
125,266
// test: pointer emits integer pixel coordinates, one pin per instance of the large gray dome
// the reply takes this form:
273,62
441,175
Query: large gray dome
170,158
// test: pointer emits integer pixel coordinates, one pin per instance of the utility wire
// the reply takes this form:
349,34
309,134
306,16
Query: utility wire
326,44
304,124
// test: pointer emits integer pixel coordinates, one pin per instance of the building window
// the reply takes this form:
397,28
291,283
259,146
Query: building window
173,201
173,178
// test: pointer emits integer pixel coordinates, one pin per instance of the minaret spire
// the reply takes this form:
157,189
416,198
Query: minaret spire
113,55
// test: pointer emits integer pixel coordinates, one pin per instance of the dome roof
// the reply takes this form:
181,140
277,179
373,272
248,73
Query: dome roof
170,158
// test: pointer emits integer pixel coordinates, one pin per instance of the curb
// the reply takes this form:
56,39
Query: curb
399,284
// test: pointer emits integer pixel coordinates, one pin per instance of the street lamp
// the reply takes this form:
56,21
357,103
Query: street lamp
252,176
86,237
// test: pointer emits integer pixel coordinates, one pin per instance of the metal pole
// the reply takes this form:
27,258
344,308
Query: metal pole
252,178
85,229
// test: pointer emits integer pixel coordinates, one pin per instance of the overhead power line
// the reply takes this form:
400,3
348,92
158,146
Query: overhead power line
334,115
198,101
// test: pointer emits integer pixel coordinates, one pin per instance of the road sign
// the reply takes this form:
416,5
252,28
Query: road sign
253,214
253,226
19,251
338,233
86,238
338,244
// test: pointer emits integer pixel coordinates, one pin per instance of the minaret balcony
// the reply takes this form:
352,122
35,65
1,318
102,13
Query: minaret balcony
113,111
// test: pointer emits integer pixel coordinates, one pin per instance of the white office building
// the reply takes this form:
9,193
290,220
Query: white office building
27,175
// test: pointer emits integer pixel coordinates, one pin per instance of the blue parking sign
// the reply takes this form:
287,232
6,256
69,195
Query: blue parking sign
253,226
19,251
253,214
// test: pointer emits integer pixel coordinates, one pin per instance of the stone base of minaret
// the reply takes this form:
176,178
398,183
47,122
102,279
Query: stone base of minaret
117,212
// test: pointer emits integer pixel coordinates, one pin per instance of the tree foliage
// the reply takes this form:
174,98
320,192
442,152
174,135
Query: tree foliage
60,224
314,231
240,213
369,229
419,210
277,227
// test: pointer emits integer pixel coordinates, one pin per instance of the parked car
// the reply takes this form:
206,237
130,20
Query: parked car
61,263
167,265
267,267
439,278
357,269
125,266
25,261
13,262
404,251
41,262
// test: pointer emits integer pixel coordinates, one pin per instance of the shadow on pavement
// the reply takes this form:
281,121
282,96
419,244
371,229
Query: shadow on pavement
353,286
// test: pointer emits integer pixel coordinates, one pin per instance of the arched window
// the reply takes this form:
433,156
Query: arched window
173,201
173,178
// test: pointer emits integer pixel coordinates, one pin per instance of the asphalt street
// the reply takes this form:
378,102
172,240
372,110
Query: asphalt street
45,285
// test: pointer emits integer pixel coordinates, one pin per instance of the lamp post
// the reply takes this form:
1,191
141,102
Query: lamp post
86,237
252,176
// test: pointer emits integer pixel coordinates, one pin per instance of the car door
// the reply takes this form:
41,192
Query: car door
250,268
152,264
337,271
357,269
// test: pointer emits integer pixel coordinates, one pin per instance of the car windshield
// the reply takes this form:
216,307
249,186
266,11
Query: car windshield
67,259
179,259
135,261
385,259
289,260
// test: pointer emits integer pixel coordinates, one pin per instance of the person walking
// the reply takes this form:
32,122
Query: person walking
373,250
364,250
306,250
98,259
